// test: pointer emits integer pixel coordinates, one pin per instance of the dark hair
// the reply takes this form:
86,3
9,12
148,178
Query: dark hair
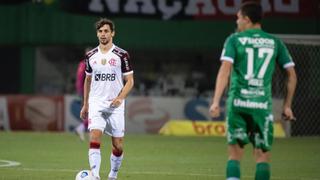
104,21
253,10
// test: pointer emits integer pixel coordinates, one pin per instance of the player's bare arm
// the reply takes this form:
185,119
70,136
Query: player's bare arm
86,90
129,82
291,86
221,84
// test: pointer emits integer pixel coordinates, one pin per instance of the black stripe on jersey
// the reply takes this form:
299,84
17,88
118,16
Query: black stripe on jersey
91,52
88,55
125,59
88,67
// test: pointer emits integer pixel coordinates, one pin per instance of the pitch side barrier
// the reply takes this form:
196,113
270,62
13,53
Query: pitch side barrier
204,128
144,115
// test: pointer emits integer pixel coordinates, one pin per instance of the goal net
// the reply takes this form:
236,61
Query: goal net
305,51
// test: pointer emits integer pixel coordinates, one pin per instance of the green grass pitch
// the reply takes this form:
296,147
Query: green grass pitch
59,156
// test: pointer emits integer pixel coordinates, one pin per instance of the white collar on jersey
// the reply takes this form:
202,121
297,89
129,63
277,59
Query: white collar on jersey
107,51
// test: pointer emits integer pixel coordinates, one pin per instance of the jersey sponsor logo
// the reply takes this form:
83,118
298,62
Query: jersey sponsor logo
255,82
257,41
250,104
252,92
105,77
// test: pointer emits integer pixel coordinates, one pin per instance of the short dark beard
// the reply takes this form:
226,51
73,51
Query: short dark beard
104,43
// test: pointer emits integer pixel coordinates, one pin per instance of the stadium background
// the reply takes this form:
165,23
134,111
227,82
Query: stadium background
175,50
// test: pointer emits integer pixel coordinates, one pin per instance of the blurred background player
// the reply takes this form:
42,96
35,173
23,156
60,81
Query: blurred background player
249,56
109,79
83,126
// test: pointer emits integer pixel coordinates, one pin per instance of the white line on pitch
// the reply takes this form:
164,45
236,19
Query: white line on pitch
7,163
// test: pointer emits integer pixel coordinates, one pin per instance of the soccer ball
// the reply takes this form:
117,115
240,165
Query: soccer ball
84,175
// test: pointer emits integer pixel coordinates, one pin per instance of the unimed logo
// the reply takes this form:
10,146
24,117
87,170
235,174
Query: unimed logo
105,77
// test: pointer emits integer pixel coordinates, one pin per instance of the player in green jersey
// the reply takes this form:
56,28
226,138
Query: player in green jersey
249,57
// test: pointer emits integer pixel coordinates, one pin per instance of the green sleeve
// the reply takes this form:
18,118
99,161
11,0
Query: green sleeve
229,49
284,58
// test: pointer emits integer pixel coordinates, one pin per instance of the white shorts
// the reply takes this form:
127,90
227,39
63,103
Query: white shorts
106,120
